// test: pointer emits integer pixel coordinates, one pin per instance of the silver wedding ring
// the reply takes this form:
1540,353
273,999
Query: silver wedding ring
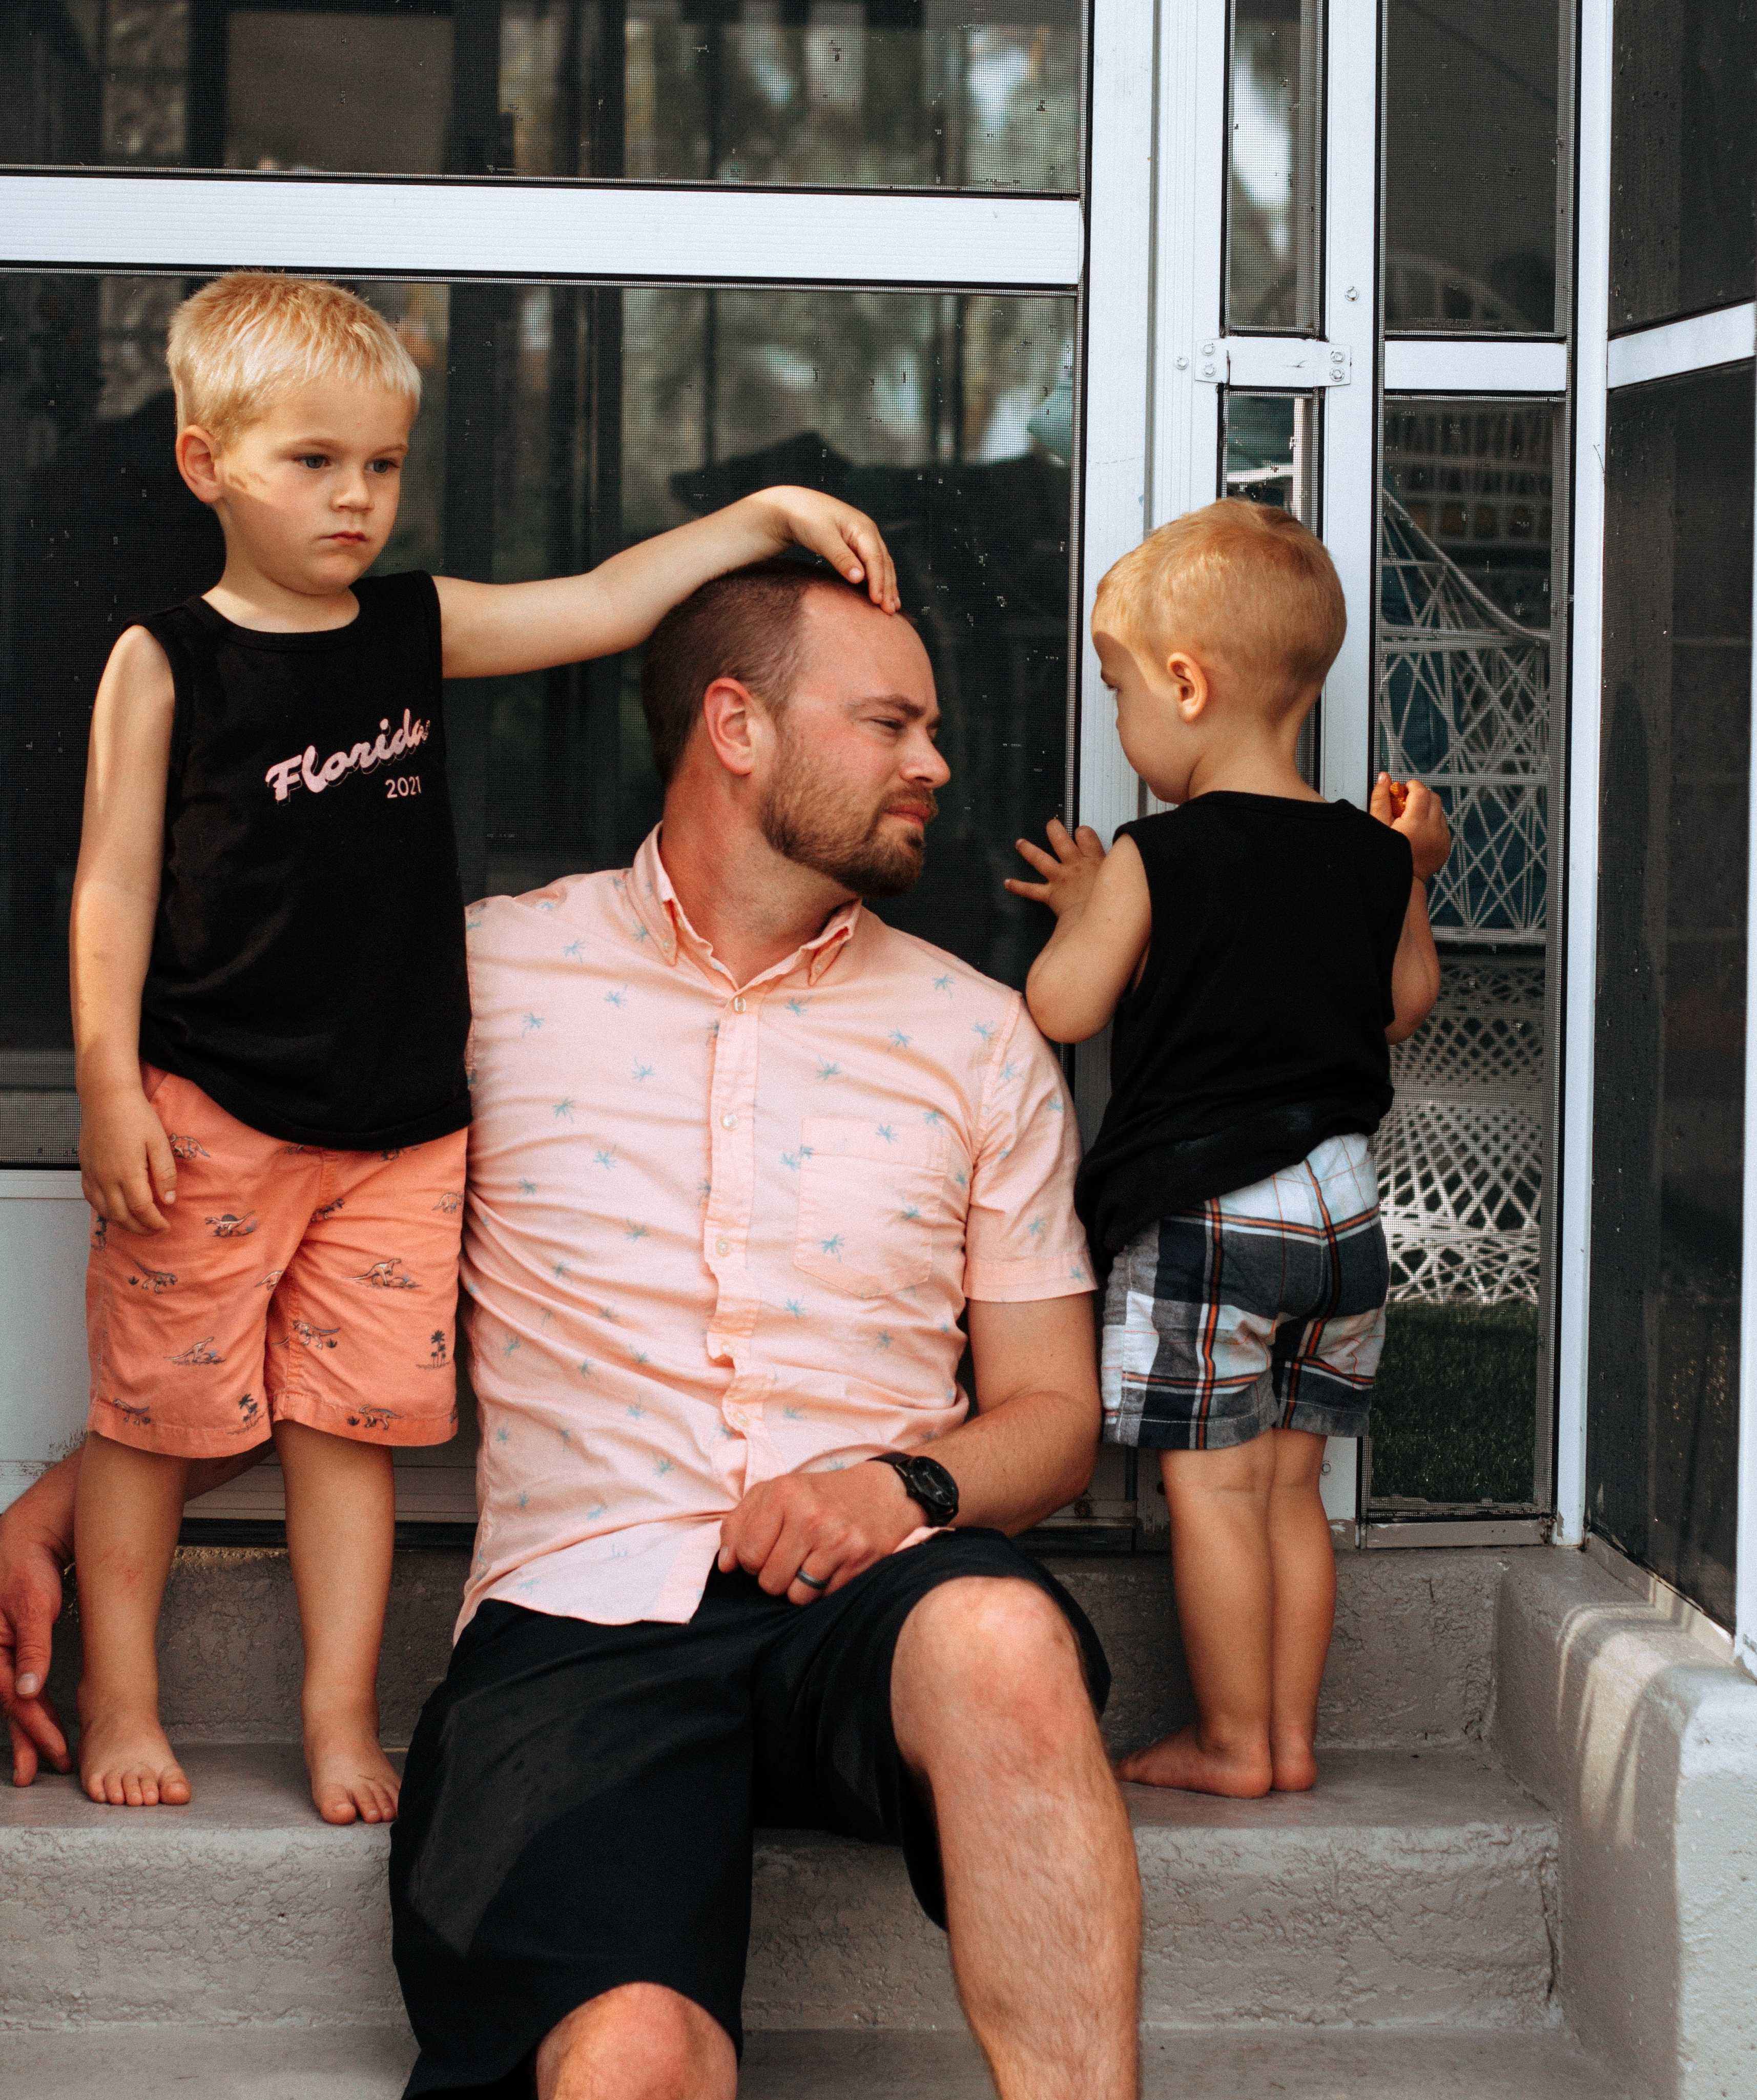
812,1581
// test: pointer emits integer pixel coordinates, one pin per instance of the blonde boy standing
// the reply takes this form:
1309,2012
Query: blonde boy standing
1258,948
270,1000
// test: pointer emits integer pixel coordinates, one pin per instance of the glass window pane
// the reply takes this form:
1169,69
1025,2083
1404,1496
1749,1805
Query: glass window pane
956,93
1467,580
1668,1141
1476,167
1274,178
1684,158
559,424
1271,454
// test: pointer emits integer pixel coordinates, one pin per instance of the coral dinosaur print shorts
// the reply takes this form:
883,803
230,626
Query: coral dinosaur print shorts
292,1284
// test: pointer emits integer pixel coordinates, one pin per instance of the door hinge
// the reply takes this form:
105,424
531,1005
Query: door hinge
1270,361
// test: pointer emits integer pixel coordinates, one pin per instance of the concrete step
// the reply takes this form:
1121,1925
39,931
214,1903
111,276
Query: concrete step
1411,1889
367,2063
230,1644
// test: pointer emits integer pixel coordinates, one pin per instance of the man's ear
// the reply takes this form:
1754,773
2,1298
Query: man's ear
198,462
1189,683
730,718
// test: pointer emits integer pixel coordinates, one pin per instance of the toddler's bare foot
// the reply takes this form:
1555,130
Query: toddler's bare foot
125,1759
1295,1768
351,1778
1182,1760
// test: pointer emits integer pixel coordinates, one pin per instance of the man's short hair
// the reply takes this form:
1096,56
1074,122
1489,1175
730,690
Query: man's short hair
243,342
742,625
1245,583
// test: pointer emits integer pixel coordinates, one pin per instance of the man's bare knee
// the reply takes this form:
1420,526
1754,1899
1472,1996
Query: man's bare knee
640,2041
992,1656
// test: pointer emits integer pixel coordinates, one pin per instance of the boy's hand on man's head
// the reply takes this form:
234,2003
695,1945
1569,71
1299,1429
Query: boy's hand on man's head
1419,813
126,1167
1068,873
846,538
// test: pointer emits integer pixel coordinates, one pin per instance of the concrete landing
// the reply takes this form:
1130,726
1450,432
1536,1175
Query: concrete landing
207,2063
1407,1889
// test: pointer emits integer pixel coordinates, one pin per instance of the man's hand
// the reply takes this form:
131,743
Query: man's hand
30,1602
832,1525
1068,876
125,1160
1418,813
846,538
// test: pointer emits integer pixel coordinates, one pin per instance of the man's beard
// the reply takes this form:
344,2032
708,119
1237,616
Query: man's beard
808,822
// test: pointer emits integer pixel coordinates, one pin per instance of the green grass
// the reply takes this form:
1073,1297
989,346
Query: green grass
1454,1415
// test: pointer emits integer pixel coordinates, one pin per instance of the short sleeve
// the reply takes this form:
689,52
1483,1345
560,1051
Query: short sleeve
1023,1240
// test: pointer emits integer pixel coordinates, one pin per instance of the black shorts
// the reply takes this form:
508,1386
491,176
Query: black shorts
579,1800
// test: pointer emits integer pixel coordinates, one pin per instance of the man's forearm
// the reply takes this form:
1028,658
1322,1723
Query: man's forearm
1017,1463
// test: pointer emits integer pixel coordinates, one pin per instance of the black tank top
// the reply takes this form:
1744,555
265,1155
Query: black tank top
308,968
1258,1028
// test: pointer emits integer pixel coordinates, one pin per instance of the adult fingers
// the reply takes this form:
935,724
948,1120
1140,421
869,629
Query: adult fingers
35,1723
1380,804
24,1754
747,1536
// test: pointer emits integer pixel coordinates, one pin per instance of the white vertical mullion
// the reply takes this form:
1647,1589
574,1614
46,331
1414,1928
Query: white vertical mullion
1745,1548
1350,412
1585,686
1189,364
1117,371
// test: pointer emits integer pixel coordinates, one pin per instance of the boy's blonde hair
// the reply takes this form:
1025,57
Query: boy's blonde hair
241,343
1244,583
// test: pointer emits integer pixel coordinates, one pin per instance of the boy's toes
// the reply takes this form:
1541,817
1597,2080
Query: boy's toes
336,1806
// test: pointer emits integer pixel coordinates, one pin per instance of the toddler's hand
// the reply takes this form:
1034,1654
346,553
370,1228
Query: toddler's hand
1068,875
1417,812
126,1161
846,538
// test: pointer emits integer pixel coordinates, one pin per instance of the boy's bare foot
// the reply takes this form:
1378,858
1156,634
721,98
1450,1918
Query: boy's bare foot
1295,1768
352,1779
125,1761
1183,1760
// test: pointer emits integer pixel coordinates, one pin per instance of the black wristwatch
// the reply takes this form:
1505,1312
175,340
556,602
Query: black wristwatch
926,1481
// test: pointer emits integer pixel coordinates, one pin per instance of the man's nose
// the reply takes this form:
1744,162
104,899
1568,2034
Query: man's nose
926,763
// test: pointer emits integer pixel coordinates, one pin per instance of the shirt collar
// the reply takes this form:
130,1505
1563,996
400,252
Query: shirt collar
655,904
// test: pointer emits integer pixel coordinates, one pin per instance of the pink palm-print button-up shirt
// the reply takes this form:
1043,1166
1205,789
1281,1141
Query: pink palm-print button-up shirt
717,1232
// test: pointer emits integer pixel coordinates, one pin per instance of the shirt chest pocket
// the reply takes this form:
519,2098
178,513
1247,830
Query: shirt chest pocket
872,1203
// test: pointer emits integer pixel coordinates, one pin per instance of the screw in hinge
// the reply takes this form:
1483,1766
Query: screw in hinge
1083,1509
1183,363
1351,293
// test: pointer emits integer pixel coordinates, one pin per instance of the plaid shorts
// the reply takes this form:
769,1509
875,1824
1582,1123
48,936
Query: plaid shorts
1261,1309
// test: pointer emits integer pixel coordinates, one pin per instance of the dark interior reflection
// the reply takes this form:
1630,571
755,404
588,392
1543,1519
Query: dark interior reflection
850,92
1668,1131
560,422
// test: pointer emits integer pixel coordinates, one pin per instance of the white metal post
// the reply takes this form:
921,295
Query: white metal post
1745,1548
1350,412
1585,672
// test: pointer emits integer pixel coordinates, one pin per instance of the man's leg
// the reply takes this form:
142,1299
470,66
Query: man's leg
1043,1898
1218,1504
1305,1565
638,2042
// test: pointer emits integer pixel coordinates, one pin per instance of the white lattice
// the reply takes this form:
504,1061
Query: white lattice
1460,1156
1465,706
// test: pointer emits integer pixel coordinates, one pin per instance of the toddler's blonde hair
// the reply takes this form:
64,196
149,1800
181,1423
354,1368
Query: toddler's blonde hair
1245,583
246,339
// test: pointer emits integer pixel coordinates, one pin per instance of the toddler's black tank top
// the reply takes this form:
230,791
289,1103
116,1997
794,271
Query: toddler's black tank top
1258,1027
307,968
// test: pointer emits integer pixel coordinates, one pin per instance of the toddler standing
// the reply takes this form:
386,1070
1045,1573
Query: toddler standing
1258,948
270,999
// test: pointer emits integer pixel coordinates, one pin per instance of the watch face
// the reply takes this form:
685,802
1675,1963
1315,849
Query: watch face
933,1487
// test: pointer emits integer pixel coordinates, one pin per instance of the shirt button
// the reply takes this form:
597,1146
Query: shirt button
722,1247
738,1005
729,1123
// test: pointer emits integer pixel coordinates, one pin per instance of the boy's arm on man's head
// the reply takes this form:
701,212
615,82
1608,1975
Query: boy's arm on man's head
1104,920
492,630
125,1160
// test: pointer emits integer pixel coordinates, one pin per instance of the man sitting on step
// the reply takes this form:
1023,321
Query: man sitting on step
743,1158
